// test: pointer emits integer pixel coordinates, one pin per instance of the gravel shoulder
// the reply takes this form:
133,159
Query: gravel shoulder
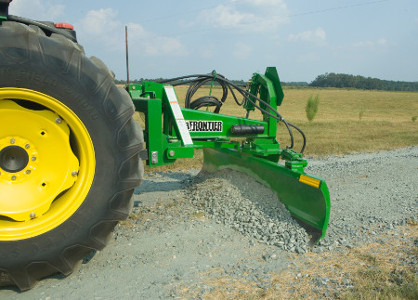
178,242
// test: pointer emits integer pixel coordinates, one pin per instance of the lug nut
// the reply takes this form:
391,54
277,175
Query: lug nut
13,177
33,158
58,120
74,173
32,215
27,146
12,141
28,172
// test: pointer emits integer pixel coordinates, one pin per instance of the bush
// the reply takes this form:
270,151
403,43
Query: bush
414,118
312,107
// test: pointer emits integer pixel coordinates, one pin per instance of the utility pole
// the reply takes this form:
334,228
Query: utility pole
127,54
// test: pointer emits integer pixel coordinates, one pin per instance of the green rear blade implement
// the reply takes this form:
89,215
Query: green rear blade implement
305,196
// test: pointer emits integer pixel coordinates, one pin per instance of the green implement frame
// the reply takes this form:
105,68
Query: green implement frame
242,144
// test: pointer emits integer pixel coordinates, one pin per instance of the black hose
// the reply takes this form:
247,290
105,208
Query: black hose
206,101
302,134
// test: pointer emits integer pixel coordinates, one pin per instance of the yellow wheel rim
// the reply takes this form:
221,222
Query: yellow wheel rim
47,163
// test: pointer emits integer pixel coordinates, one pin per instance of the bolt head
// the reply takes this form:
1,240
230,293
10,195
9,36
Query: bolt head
33,158
58,120
13,177
27,146
28,172
74,173
154,157
171,153
12,141
32,215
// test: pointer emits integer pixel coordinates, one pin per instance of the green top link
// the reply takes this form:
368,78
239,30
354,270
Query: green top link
213,81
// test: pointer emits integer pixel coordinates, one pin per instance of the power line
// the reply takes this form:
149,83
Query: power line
336,8
172,16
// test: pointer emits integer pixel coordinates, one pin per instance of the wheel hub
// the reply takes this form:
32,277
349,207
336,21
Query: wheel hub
36,160
13,159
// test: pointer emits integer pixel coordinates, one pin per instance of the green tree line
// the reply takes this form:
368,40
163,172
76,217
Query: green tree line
361,82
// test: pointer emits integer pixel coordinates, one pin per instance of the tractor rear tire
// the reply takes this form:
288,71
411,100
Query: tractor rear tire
69,155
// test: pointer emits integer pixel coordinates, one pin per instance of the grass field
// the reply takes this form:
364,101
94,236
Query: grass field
354,120
348,121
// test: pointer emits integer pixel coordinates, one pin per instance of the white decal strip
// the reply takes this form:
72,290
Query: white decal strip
178,116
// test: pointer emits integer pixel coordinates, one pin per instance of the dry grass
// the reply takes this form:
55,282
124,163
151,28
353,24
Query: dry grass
345,136
348,121
374,271
351,121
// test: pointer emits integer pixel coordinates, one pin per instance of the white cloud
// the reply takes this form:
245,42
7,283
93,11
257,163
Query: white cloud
161,45
370,44
208,51
317,36
225,16
246,15
102,26
363,44
308,57
99,22
37,9
280,3
153,44
242,51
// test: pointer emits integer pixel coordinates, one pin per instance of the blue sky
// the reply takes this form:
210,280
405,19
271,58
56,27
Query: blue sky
302,39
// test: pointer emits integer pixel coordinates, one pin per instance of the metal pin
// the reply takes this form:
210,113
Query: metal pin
154,157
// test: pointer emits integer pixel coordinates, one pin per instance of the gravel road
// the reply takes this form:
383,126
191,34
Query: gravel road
194,236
